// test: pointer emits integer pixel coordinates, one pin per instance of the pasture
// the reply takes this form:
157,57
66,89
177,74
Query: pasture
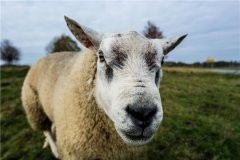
201,118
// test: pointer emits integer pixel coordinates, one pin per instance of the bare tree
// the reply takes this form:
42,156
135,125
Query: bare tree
9,53
62,43
152,31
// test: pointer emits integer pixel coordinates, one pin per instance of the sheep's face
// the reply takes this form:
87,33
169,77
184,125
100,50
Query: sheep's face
129,69
127,88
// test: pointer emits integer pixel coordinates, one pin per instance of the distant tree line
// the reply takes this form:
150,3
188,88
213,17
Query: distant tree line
203,64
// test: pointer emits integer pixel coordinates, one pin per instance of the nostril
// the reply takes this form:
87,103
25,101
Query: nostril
141,116
151,112
141,113
134,111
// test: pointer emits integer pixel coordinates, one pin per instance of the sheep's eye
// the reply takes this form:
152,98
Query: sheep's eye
101,57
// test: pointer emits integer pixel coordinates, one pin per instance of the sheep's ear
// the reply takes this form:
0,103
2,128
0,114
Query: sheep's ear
88,37
168,44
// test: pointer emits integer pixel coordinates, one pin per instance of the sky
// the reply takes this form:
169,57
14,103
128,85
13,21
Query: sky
213,26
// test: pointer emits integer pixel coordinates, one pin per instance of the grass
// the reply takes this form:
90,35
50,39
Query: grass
201,118
18,141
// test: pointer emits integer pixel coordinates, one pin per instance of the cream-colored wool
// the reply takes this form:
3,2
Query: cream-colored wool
69,95
60,89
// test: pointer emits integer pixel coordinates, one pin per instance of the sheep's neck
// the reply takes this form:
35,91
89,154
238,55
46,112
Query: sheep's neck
99,131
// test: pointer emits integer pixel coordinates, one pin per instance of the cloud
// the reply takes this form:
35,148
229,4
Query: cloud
213,26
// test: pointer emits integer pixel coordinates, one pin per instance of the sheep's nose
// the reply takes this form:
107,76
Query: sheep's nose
141,116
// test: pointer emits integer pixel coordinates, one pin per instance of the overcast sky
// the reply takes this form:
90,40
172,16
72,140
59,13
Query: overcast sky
213,26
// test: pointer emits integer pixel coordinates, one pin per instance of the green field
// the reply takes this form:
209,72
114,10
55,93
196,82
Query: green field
201,118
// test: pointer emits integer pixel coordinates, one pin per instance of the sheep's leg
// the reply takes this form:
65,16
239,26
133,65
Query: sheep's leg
51,140
36,116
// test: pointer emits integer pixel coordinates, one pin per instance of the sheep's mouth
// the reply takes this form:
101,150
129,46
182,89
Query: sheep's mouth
137,137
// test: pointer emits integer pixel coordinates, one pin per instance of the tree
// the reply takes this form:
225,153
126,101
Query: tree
9,53
152,31
62,43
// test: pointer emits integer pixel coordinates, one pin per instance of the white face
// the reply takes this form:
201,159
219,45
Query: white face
128,76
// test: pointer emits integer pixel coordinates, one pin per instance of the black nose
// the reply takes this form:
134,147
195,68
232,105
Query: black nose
140,115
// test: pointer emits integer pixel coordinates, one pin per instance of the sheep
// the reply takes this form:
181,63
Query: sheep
102,103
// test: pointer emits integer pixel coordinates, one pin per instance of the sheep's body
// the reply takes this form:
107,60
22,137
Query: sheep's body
69,95
60,89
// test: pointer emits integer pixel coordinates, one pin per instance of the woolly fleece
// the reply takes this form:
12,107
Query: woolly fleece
60,89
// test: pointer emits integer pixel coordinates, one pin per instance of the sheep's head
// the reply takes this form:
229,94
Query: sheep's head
129,69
